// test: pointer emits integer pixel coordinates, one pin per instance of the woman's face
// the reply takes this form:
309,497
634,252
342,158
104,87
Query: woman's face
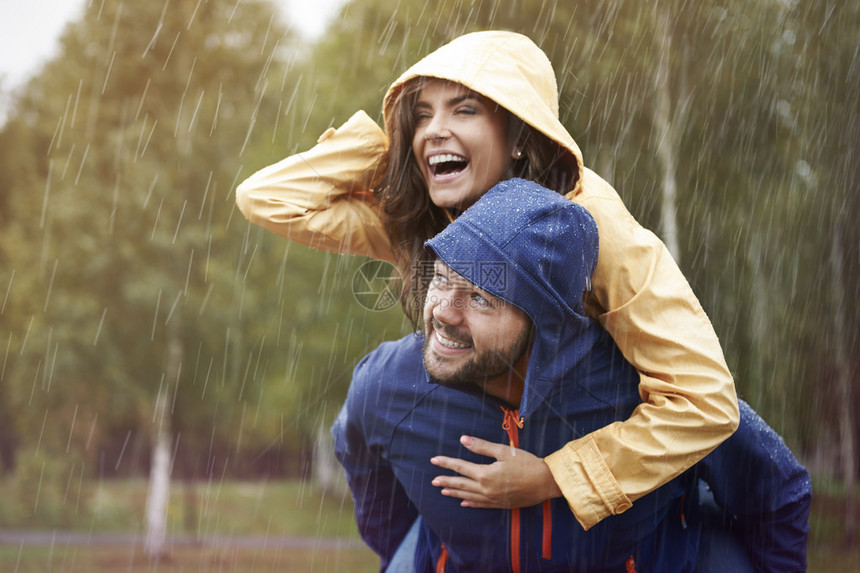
460,143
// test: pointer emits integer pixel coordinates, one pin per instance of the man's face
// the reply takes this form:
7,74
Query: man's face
460,143
471,336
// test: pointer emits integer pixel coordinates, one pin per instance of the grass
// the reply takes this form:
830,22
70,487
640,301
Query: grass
185,559
282,508
230,527
201,510
262,527
829,550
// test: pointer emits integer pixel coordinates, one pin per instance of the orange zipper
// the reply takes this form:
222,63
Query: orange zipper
546,552
630,565
510,424
443,559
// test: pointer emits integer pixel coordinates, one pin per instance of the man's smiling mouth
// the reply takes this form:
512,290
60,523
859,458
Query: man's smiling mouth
448,343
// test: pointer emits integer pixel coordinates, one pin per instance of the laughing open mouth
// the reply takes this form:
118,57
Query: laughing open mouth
447,163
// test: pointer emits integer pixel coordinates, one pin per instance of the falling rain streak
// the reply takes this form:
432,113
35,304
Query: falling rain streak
99,329
8,290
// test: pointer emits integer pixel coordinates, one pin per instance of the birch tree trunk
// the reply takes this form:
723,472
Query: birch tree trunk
158,495
159,483
666,140
324,462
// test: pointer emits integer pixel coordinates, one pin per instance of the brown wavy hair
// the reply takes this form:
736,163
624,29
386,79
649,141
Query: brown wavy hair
411,218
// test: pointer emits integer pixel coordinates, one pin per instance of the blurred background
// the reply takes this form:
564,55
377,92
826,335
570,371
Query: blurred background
141,313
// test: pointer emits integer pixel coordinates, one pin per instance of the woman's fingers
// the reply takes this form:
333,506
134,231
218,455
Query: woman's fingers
485,448
462,467
516,478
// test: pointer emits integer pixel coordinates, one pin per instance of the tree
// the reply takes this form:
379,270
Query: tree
130,265
821,105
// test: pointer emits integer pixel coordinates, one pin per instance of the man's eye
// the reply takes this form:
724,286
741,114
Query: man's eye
480,301
439,280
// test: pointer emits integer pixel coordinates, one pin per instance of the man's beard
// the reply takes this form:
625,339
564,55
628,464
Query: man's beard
482,366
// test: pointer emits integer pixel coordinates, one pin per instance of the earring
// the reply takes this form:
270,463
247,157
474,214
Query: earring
518,153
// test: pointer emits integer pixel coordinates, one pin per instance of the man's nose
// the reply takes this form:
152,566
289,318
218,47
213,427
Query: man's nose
448,308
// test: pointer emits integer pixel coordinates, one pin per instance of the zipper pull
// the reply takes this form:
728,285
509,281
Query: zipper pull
511,422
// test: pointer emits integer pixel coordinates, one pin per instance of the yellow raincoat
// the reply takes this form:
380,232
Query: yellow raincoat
321,198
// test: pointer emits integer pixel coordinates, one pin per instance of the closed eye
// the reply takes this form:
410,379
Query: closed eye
421,116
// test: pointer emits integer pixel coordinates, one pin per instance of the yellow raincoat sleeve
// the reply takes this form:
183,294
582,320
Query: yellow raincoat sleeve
323,197
689,405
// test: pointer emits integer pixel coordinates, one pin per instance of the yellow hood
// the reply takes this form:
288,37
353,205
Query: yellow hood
504,66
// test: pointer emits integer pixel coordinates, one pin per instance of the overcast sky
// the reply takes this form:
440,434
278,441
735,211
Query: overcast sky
29,29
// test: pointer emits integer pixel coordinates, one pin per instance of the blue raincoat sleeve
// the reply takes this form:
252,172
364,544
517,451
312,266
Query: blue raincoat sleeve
764,492
383,511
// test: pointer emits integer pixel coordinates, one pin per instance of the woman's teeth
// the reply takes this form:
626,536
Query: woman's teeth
437,159
447,163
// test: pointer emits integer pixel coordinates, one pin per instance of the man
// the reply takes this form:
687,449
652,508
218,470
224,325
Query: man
508,354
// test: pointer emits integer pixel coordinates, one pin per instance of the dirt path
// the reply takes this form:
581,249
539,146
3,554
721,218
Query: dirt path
103,539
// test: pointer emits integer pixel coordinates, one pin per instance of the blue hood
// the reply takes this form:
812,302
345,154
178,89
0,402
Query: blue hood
539,258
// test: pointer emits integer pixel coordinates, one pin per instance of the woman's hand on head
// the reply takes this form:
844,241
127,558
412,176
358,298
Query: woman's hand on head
516,479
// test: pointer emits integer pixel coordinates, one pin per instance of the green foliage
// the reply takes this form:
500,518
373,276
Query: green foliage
46,491
119,238
134,137
132,248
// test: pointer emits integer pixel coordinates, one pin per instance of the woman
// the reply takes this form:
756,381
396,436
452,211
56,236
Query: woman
477,110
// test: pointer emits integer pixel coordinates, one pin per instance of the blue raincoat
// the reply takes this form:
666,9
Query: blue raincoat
536,250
